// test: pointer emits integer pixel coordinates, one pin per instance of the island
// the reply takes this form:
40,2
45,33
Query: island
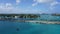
20,16
55,14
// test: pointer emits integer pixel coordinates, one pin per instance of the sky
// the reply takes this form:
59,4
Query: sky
29,6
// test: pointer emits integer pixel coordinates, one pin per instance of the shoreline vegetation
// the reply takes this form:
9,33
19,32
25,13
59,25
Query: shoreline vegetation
18,16
27,18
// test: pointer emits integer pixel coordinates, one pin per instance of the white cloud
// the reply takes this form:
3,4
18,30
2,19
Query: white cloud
18,1
34,4
53,4
7,6
42,1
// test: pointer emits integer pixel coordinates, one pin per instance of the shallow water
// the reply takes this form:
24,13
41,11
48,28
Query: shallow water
49,17
7,27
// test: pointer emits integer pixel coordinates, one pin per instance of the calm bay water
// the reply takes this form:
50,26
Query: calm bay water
49,17
10,27
7,27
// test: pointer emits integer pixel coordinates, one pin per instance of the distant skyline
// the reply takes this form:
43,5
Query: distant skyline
29,6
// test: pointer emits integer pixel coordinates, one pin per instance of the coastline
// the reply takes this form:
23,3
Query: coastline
33,18
44,22
36,21
32,21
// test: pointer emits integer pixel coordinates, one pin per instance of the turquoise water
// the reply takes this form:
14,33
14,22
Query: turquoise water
8,27
49,18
